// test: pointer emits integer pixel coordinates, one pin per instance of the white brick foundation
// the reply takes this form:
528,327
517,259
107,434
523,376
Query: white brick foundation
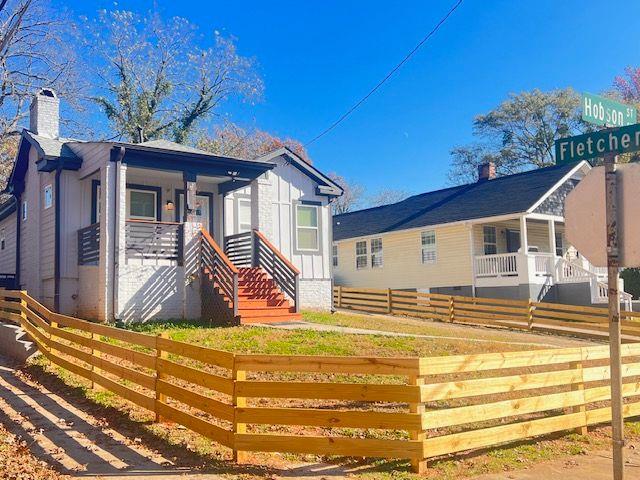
315,294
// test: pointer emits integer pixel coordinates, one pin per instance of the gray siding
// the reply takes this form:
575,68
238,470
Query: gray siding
8,254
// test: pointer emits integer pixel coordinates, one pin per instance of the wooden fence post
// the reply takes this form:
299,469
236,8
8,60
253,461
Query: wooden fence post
530,309
452,311
95,354
418,465
160,397
582,408
23,309
339,296
389,301
238,402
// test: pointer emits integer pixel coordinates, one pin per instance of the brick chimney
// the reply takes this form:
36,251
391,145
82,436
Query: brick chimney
44,114
486,171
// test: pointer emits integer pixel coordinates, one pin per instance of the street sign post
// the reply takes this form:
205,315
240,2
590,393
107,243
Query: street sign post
608,144
606,112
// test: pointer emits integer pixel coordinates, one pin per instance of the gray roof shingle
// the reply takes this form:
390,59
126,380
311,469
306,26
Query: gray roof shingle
503,195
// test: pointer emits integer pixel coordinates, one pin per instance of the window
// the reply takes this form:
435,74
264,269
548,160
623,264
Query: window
361,254
142,204
490,240
307,227
559,244
376,253
2,239
244,215
48,196
428,240
334,253
24,211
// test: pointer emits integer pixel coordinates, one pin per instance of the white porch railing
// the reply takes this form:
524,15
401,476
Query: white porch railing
544,263
498,265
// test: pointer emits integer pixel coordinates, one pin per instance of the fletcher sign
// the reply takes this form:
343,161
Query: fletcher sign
597,144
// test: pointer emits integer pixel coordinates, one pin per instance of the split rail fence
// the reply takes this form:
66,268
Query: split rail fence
576,320
402,408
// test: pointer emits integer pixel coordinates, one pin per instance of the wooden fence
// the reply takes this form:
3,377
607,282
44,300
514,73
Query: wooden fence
401,408
518,314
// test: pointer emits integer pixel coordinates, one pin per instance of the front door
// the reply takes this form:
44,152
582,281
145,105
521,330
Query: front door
202,211
513,241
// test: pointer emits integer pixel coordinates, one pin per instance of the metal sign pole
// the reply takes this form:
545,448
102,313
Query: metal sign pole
613,269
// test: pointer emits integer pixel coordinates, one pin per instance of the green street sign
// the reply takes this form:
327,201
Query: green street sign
596,144
606,112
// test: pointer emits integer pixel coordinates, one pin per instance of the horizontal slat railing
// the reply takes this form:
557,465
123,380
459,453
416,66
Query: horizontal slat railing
147,240
327,405
89,245
222,271
586,321
238,248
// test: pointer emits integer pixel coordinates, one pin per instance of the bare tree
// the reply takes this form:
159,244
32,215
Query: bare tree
154,78
351,198
387,196
235,141
35,52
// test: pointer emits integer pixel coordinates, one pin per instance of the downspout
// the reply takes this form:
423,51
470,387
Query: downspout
18,224
116,223
56,241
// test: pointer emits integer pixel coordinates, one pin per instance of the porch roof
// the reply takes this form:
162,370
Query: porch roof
501,196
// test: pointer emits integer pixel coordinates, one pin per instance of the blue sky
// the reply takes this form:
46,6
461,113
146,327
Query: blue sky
318,58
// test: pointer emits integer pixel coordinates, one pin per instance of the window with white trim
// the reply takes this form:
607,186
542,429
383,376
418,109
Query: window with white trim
48,196
142,204
24,211
334,254
244,215
307,231
376,253
490,240
361,255
559,244
428,242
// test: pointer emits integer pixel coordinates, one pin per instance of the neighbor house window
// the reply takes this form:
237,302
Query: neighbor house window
142,204
307,230
24,211
334,253
48,196
2,239
361,254
490,240
244,215
428,240
559,244
376,252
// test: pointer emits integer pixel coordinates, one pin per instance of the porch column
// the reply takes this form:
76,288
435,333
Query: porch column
552,236
524,243
190,189
120,218
261,205
191,303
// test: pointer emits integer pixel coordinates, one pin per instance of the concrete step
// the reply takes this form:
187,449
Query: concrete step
15,343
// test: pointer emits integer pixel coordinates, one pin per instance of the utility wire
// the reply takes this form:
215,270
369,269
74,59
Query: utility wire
389,75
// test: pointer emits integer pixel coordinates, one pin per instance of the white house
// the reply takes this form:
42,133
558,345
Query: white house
499,237
104,230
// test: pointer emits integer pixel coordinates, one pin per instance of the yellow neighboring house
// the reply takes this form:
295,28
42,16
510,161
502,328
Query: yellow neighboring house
499,237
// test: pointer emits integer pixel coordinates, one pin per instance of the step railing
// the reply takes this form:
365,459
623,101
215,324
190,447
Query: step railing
252,249
283,272
216,263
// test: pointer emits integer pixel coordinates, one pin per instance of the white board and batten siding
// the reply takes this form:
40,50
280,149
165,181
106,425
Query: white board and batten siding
288,187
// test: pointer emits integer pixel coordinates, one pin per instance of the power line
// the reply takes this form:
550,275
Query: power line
389,75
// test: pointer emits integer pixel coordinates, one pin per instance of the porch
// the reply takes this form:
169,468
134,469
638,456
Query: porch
531,250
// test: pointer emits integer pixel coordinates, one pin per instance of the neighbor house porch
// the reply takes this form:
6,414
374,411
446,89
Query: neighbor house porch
531,252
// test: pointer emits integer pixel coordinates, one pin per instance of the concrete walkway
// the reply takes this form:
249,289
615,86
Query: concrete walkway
74,442
540,340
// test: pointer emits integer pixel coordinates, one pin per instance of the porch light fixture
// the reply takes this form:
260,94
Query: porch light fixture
169,206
